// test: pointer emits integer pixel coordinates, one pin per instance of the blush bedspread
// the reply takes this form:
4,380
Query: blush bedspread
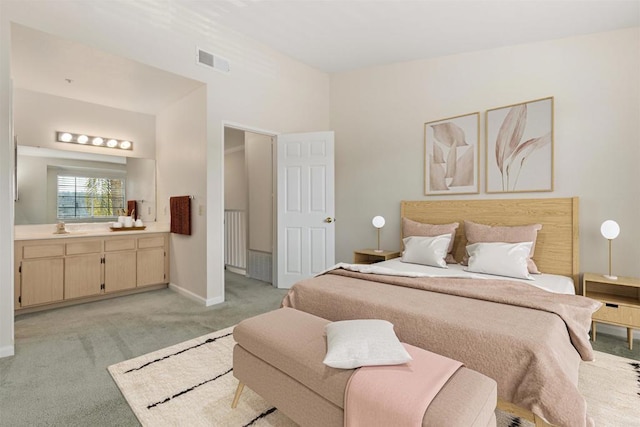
528,340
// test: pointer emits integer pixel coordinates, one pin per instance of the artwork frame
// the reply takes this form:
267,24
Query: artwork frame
520,135
448,172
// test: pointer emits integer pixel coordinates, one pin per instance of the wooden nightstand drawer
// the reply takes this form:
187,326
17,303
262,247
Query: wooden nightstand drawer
619,314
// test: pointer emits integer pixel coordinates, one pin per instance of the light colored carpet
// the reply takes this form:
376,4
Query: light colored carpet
192,384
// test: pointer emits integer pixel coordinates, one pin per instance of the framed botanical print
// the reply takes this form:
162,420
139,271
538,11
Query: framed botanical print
451,155
519,156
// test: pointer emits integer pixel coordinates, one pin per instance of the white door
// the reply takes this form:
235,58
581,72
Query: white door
305,206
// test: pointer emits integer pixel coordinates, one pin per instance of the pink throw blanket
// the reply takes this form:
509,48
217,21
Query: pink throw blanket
398,394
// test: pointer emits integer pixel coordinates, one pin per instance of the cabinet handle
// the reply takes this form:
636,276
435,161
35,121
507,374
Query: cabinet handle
608,304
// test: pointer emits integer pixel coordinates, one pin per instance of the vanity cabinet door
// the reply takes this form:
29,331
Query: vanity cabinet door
119,271
151,267
82,275
41,281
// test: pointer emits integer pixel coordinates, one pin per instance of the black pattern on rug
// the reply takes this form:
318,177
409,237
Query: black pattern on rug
208,341
180,393
636,367
515,422
261,416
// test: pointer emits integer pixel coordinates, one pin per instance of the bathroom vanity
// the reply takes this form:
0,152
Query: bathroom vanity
53,270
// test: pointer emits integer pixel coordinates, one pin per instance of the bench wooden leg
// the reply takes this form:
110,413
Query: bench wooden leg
237,396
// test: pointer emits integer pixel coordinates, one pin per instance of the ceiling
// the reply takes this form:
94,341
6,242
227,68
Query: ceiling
331,36
341,35
44,63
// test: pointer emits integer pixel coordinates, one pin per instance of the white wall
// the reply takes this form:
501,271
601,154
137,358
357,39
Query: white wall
378,115
235,180
265,90
6,193
235,173
260,181
182,170
38,116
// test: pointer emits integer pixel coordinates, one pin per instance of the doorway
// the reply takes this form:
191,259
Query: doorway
289,209
248,203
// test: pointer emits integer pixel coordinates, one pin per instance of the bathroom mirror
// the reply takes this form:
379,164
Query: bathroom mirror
38,168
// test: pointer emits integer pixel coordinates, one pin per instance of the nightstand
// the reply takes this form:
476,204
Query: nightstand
370,256
621,302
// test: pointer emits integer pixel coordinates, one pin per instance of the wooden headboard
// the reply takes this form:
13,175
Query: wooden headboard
557,249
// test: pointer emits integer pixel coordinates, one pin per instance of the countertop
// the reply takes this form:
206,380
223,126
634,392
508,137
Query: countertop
46,231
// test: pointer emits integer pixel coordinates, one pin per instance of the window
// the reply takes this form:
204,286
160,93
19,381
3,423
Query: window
88,197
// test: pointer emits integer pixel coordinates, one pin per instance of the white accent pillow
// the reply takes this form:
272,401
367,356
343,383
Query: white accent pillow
426,250
355,343
502,259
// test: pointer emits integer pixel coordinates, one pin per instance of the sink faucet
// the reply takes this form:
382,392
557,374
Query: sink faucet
60,228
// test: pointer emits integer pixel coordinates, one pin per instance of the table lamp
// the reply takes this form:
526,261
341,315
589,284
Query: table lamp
610,230
378,222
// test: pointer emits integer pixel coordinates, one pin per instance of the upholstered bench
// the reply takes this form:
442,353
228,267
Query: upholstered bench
279,356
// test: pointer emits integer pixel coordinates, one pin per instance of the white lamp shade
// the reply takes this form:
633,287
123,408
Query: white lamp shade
378,221
610,229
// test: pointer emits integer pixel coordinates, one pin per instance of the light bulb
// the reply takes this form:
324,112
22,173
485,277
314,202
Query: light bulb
66,137
82,139
378,221
125,145
610,229
97,141
112,143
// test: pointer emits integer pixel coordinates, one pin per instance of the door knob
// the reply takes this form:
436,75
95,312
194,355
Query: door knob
329,220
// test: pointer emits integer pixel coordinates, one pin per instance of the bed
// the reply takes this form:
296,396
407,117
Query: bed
531,341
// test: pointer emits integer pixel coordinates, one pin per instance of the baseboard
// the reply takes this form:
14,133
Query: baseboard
7,350
187,293
236,270
214,301
206,302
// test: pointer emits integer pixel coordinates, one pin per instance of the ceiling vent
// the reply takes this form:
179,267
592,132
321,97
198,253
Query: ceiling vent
210,60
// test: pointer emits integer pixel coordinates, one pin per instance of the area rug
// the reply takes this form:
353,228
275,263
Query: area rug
192,384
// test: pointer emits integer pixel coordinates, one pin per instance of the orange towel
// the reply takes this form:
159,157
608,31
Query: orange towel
180,214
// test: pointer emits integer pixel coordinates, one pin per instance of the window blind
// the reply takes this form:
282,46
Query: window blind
86,197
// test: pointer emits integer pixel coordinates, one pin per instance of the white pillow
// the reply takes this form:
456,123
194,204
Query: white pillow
355,343
426,250
502,259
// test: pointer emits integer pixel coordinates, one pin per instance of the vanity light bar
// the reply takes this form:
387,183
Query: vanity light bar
96,141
